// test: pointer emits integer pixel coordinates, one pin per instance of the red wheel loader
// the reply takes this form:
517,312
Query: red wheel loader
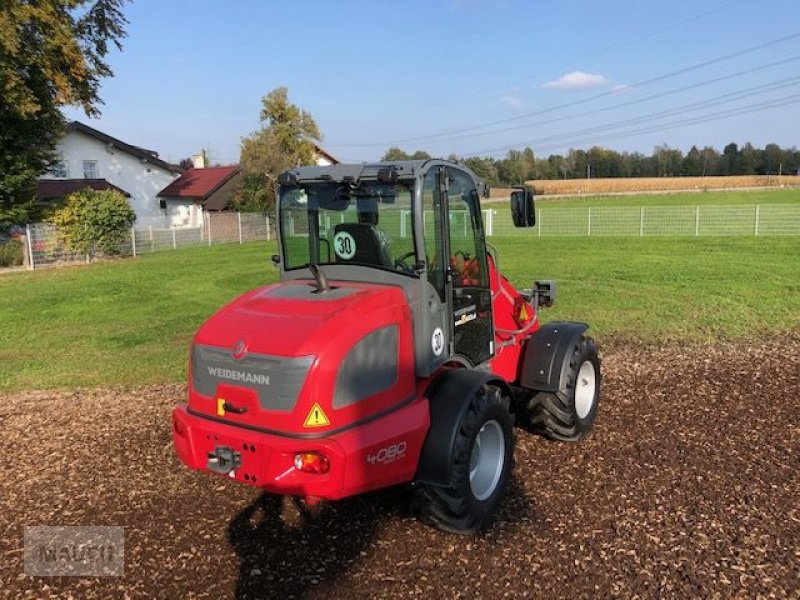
393,351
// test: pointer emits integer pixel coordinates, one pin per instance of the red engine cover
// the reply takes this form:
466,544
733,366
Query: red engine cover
283,320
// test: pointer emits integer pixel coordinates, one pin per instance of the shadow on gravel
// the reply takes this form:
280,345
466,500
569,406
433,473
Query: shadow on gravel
285,549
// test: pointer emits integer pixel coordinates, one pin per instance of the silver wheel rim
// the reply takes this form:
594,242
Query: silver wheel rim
585,388
487,459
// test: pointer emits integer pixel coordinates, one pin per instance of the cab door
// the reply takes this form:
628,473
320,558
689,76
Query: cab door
467,280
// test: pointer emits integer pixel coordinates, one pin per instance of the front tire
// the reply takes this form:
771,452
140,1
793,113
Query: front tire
481,469
569,414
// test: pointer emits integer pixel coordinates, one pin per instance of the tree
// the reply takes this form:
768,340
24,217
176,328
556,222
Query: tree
52,54
92,221
692,163
484,168
730,160
394,153
286,139
668,160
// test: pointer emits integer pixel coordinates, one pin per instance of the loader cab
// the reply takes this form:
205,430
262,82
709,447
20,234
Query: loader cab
412,224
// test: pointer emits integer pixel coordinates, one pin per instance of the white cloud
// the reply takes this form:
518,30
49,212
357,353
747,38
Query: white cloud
513,100
621,88
577,80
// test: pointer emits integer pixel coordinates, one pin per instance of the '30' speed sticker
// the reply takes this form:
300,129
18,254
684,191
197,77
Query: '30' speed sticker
344,245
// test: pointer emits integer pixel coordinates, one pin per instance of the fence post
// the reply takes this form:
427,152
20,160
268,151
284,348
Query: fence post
539,221
758,210
29,243
174,241
240,226
696,220
152,244
208,220
641,221
133,241
589,223
266,218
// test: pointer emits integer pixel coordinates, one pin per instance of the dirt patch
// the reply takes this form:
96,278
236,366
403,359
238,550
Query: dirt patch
688,486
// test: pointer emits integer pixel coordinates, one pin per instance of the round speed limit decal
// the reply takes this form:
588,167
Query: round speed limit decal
344,245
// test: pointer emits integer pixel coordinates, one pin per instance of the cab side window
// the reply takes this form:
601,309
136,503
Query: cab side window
467,247
434,244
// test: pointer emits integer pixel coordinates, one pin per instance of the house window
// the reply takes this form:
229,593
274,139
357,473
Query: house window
90,169
59,169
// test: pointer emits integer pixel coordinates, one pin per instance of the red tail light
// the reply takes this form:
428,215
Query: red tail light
312,462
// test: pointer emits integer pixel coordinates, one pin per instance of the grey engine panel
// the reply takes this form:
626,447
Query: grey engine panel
277,380
369,368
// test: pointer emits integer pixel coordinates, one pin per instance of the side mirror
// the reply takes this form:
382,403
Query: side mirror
522,211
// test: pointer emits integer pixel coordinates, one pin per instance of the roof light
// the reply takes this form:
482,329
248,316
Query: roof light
287,178
387,175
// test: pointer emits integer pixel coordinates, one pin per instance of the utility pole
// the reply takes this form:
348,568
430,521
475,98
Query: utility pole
588,171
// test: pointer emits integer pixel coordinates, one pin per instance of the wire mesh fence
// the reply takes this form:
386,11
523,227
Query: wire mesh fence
46,245
709,220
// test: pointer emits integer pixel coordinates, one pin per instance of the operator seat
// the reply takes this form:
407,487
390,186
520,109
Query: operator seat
372,245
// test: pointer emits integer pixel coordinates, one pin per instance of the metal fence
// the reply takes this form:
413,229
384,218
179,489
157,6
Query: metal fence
709,220
45,245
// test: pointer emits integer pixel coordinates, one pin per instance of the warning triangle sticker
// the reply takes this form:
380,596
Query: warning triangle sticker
316,418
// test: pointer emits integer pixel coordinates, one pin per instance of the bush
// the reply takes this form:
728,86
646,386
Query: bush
10,254
94,221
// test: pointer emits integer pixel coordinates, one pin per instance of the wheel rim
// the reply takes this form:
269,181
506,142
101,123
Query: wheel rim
585,387
487,459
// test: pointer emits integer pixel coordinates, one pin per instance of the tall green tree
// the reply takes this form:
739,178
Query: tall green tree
52,54
395,153
286,139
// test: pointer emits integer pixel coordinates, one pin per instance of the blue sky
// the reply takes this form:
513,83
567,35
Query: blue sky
553,75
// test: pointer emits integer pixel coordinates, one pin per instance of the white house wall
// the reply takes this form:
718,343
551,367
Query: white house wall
141,180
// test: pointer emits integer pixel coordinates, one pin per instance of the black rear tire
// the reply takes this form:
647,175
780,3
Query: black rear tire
568,414
468,505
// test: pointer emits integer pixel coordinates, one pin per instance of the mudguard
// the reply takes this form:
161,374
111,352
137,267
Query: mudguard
449,397
543,366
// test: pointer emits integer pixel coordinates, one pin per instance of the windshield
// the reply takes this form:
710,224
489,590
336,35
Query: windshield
366,224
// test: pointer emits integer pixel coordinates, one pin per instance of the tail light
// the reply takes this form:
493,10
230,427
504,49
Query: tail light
312,462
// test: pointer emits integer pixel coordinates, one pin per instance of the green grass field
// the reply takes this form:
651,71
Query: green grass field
129,322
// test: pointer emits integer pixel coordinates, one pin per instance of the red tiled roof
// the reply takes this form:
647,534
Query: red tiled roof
199,183
58,188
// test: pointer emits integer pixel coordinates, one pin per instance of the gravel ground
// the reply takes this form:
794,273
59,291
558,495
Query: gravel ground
688,486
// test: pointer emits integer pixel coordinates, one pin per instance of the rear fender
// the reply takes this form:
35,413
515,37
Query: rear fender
449,398
544,366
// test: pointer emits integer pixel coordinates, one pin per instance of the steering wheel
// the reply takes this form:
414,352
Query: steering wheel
400,263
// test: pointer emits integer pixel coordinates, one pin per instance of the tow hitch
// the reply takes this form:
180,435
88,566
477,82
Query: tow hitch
224,460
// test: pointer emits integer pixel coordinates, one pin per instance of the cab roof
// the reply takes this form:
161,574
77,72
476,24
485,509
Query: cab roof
343,172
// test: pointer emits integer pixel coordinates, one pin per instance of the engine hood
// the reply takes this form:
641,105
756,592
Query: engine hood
278,356
292,319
